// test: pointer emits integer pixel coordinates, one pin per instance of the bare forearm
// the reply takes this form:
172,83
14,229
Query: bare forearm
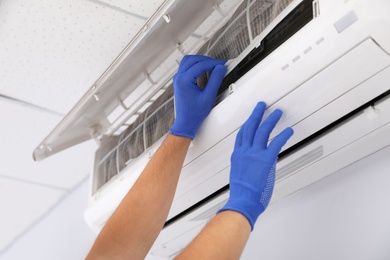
133,227
224,237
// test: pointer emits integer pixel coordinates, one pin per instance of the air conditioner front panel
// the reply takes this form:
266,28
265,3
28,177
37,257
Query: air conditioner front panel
364,134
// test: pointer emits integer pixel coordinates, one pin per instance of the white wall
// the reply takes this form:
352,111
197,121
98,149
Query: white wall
61,234
344,216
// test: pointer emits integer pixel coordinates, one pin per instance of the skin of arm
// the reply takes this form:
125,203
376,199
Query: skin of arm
136,223
224,237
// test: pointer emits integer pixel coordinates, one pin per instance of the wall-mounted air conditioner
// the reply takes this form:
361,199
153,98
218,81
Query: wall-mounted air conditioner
325,63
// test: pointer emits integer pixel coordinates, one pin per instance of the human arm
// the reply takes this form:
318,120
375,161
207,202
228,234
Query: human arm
252,179
135,224
224,237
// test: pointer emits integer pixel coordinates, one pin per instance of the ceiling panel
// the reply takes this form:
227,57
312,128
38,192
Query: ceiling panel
22,129
22,204
52,51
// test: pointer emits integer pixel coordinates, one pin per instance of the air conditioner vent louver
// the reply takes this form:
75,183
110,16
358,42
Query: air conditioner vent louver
300,162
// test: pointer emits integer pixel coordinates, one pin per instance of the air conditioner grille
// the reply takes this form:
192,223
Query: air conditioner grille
131,143
149,127
260,13
158,124
247,22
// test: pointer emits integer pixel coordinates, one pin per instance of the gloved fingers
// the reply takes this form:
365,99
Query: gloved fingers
265,129
190,60
215,81
238,142
280,140
252,124
202,67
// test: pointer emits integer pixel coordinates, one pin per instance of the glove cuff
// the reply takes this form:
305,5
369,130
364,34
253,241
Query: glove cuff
179,128
248,209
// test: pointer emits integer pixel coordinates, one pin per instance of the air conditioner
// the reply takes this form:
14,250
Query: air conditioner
325,63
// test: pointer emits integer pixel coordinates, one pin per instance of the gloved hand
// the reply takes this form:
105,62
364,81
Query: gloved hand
252,173
192,103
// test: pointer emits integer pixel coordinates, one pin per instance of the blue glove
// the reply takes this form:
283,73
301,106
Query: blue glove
252,172
192,103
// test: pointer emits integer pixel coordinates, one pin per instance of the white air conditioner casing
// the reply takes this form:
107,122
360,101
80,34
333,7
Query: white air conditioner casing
339,72
338,63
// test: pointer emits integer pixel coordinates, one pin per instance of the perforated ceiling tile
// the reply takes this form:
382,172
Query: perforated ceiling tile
22,204
22,129
52,51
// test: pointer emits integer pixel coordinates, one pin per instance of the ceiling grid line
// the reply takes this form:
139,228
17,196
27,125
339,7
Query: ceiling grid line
41,218
116,8
34,183
34,106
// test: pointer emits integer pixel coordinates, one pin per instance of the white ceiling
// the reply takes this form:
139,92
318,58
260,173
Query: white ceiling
23,128
51,52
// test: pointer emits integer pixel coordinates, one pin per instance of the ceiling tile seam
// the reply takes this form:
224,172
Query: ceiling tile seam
36,222
33,182
21,102
47,213
115,8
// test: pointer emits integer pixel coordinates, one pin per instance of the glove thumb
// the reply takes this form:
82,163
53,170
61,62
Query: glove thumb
215,80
